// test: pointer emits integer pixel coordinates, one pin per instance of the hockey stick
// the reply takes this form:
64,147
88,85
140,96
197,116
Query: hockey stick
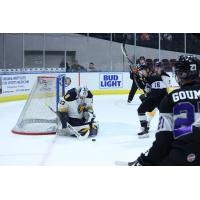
123,163
129,60
74,131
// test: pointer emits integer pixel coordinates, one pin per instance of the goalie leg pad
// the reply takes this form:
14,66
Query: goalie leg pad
65,132
90,129
63,116
89,116
83,130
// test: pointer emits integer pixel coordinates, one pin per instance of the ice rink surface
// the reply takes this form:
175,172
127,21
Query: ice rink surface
117,138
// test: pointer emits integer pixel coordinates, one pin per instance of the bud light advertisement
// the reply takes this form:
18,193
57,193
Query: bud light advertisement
110,80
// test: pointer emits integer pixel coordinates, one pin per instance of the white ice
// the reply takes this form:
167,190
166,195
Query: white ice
117,138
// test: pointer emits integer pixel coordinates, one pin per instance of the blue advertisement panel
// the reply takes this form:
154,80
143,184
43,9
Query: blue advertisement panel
110,80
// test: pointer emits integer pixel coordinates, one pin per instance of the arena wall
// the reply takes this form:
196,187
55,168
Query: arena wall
18,86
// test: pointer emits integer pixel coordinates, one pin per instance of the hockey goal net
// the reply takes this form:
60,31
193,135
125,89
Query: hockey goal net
36,117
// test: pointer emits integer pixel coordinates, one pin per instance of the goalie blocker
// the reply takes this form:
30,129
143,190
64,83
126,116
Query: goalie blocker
75,112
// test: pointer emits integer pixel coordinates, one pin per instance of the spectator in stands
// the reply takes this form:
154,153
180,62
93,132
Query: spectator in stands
92,67
62,63
68,68
147,40
145,36
166,36
77,67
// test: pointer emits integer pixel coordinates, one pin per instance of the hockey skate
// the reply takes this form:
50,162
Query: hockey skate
144,132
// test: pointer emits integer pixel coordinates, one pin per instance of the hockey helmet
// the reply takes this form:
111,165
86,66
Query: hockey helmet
146,69
157,66
187,68
82,92
142,58
146,66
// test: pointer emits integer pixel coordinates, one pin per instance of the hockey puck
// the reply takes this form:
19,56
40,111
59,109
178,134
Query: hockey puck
94,140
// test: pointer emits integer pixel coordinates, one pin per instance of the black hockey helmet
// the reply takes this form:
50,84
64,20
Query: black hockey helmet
146,69
157,64
187,68
142,58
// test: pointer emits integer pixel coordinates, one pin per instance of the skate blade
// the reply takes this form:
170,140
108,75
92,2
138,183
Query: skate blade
143,136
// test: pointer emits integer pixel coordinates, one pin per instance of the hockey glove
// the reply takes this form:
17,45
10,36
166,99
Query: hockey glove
89,117
147,88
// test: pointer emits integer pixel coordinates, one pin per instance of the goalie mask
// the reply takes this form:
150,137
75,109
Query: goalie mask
82,92
187,68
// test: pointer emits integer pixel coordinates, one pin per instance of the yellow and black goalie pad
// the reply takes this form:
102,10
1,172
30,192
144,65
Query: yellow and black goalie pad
83,131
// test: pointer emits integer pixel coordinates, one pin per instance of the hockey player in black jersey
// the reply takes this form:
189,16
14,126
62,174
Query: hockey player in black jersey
178,138
135,76
155,89
158,69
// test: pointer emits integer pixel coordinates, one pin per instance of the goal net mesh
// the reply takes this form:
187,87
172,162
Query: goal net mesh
36,117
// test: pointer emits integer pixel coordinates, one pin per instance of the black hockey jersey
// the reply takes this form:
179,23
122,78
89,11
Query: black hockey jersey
137,77
178,137
157,88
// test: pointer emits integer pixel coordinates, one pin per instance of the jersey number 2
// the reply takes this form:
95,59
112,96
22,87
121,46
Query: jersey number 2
185,117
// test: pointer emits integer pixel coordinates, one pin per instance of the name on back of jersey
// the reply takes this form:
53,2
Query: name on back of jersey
189,94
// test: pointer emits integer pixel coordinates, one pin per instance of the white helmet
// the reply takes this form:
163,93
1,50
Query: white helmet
82,92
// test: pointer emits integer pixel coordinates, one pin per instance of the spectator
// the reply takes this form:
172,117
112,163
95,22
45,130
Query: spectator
62,63
145,36
167,36
68,68
77,67
92,67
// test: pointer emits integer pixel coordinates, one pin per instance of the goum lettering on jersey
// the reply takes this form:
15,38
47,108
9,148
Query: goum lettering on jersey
182,95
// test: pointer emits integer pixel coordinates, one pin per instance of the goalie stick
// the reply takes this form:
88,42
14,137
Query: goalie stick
130,62
74,131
